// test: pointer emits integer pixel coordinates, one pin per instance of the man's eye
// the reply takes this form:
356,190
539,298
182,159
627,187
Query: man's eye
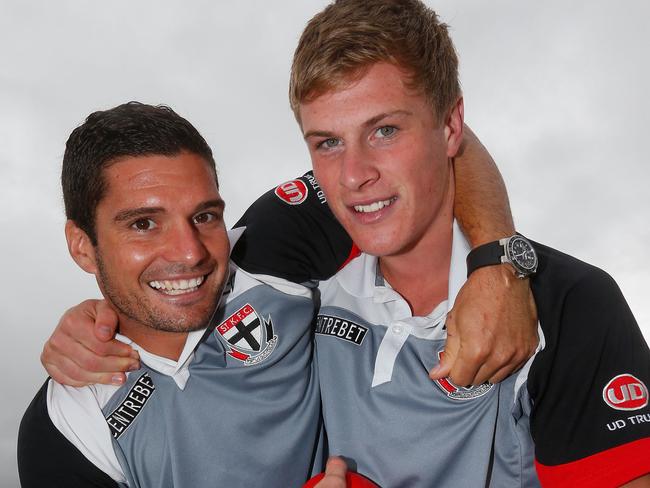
204,218
330,143
386,131
143,224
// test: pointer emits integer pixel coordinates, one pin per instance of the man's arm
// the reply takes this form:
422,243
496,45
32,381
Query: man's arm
492,329
47,458
481,204
590,415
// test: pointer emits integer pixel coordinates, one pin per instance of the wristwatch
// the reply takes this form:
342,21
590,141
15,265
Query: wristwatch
515,250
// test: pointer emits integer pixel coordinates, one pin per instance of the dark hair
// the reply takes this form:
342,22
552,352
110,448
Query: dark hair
128,130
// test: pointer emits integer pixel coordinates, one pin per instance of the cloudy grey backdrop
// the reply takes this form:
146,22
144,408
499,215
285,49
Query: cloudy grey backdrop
557,90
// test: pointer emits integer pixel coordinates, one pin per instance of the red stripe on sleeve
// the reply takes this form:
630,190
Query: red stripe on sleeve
610,468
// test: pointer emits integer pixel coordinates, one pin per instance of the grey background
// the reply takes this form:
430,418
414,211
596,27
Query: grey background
557,91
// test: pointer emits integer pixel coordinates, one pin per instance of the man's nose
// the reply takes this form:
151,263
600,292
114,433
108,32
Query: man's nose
357,167
184,245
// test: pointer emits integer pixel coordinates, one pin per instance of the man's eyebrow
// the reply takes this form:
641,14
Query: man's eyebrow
378,118
370,122
215,203
132,213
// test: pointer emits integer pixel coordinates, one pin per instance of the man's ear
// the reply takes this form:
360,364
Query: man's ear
80,247
454,127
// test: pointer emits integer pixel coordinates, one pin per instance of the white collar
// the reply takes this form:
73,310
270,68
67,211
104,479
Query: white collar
362,278
178,370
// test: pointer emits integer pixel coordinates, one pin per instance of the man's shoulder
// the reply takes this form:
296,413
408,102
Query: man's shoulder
561,276
593,349
64,439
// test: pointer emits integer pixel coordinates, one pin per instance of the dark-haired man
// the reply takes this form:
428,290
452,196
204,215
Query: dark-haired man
146,218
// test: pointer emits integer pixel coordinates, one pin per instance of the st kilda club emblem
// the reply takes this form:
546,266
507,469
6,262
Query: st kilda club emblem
461,393
250,337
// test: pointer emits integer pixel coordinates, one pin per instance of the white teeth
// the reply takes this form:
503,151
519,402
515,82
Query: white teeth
375,206
177,287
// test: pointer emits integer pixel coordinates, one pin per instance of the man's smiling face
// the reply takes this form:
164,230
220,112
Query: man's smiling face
382,158
162,248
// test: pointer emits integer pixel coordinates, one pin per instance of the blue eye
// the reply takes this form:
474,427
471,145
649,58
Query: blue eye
330,143
386,131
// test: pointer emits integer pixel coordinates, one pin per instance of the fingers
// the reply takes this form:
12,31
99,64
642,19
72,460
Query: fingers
70,374
75,356
106,321
492,330
335,473
465,368
69,362
448,358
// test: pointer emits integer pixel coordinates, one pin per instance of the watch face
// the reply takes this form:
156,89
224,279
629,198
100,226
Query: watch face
522,254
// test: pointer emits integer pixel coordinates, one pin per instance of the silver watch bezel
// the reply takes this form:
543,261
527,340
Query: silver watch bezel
521,271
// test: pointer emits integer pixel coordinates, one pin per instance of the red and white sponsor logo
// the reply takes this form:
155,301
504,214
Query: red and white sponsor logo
293,192
625,392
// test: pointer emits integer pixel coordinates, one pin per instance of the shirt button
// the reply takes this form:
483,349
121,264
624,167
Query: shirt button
397,329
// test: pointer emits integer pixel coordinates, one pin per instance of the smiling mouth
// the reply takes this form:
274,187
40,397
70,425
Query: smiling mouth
375,206
177,287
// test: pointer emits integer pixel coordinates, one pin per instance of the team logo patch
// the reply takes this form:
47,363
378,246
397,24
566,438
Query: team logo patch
251,338
131,406
293,192
462,393
625,392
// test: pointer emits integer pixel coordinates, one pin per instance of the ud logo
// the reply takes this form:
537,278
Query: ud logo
251,338
462,393
625,392
293,192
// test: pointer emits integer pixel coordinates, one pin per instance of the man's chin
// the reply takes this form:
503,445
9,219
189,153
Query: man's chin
375,245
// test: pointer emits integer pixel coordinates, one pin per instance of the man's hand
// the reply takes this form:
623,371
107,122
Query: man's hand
335,473
82,350
492,329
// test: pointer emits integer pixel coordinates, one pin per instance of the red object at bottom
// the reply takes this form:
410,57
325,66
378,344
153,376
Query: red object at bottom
353,480
612,467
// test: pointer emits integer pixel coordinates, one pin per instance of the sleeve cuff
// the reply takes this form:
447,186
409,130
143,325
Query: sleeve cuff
606,469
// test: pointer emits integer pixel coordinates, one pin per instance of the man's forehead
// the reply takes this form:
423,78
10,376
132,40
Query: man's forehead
382,89
182,179
155,168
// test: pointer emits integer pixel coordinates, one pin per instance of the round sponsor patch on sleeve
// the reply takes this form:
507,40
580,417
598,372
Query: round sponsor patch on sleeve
293,192
625,392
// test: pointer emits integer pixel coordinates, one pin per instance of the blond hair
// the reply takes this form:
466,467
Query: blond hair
341,42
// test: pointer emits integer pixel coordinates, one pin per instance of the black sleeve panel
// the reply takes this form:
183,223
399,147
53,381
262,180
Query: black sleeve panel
47,459
295,241
591,338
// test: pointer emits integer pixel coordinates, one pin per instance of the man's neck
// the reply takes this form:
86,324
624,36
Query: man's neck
421,274
161,343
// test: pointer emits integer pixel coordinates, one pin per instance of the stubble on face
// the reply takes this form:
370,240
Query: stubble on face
143,312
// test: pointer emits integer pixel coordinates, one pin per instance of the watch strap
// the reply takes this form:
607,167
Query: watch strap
484,255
